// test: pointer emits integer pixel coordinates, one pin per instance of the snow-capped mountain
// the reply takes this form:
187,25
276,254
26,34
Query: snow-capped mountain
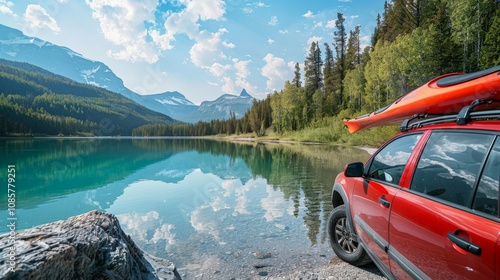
222,107
171,103
16,46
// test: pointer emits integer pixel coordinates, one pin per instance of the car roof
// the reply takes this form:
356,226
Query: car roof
487,119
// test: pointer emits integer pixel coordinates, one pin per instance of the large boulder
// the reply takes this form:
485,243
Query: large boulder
88,246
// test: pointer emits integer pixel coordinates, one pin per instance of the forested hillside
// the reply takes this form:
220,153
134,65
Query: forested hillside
36,102
413,41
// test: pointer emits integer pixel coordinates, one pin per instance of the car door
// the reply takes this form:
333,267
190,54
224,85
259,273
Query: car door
446,225
372,197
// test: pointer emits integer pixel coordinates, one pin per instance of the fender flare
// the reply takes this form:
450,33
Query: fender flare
338,190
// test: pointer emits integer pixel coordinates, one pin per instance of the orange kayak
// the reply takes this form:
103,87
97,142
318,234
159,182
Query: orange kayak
446,94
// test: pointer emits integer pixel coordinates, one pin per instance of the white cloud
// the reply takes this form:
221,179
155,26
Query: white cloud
37,17
206,9
270,41
273,21
309,14
229,86
238,69
283,31
331,23
276,71
219,70
207,52
208,48
186,21
5,8
313,39
241,67
261,5
122,23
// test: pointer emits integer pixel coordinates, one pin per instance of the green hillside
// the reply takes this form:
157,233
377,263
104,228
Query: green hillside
34,101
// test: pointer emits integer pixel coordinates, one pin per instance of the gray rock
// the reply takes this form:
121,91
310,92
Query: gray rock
88,246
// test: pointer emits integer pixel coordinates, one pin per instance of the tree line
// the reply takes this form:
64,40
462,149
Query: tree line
413,42
36,102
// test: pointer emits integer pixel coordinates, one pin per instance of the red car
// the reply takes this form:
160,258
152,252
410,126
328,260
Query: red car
425,205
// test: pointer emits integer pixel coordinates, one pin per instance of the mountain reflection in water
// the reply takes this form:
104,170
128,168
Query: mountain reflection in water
200,203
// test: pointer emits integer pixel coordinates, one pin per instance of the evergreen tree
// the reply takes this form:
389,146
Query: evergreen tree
376,32
353,55
313,79
329,107
490,55
296,76
340,42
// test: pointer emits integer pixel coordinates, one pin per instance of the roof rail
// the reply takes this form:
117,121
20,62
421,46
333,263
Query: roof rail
463,117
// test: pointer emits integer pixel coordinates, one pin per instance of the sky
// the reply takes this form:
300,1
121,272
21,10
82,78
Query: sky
200,48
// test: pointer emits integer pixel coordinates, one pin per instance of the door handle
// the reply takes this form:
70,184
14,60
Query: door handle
384,202
464,244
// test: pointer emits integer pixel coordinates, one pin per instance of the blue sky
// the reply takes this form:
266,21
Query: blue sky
201,48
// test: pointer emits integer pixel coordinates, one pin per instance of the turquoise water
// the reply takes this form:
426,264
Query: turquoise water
212,207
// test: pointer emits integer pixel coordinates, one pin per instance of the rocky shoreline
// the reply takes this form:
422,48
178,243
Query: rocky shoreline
88,246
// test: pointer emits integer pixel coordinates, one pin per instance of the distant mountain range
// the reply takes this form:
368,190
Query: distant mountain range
16,46
34,101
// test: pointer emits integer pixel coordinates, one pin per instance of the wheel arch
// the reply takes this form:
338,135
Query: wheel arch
339,197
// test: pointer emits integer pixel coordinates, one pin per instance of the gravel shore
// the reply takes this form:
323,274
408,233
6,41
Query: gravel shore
335,269
305,268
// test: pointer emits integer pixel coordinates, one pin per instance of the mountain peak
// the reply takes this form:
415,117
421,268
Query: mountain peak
244,93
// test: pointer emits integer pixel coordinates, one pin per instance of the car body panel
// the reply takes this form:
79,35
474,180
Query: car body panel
411,235
419,230
372,218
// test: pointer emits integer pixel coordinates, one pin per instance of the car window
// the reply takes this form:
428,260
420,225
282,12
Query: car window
389,163
450,164
486,199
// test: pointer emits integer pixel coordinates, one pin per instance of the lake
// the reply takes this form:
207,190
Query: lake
213,207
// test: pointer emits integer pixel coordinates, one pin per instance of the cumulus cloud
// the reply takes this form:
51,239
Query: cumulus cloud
186,21
233,74
5,8
218,69
37,17
122,23
208,48
276,71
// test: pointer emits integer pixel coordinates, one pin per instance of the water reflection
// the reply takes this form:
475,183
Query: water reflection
194,201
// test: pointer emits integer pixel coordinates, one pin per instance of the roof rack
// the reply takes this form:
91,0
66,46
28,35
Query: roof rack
463,117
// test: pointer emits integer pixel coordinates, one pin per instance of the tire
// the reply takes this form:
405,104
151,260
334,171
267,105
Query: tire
340,235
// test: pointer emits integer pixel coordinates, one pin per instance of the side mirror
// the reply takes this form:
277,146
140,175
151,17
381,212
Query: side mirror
355,169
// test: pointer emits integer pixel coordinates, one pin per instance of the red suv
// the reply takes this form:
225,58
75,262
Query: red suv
425,205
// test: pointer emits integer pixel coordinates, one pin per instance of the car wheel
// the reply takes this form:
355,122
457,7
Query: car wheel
341,239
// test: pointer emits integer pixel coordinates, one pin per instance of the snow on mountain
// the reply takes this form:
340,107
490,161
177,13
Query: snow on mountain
16,46
222,107
173,104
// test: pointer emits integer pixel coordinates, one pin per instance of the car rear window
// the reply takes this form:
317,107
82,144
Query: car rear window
450,165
